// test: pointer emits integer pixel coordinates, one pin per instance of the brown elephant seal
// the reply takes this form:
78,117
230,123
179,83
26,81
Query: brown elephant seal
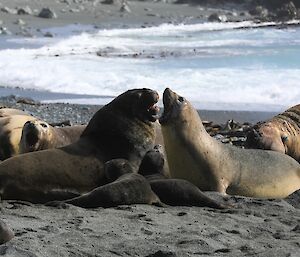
281,133
124,128
174,192
212,166
39,135
127,188
10,133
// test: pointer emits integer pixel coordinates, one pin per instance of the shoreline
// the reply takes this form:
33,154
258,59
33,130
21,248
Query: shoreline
29,101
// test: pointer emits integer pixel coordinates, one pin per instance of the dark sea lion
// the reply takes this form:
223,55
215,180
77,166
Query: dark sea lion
127,187
175,192
124,128
212,166
39,135
281,133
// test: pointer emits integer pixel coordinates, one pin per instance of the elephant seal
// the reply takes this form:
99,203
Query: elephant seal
126,187
10,133
212,166
174,192
281,133
39,135
124,128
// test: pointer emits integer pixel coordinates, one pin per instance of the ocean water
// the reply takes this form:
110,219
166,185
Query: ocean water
231,66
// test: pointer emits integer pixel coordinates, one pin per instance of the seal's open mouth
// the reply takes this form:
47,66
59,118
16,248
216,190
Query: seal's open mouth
31,137
148,101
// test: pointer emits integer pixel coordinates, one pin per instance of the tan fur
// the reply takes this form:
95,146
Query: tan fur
195,156
10,134
281,133
47,136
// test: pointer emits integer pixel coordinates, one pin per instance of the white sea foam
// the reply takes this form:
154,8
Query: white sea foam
214,65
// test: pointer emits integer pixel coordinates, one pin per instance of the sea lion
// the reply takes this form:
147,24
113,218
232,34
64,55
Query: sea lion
39,135
212,166
126,187
281,133
124,128
174,192
10,133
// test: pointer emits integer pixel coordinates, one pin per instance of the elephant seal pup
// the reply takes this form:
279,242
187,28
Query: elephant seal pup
39,135
10,133
126,187
124,128
281,133
175,192
212,166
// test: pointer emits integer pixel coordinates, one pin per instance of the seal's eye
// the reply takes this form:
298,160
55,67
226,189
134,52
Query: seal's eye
284,138
181,99
44,125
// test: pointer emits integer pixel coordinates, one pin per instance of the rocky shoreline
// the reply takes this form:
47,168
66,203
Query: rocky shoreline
34,18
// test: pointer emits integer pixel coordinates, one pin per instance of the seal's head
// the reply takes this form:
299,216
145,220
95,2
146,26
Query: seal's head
177,110
125,127
36,135
138,103
268,136
153,162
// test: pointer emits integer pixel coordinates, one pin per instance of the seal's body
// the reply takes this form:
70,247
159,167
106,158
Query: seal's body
175,192
121,129
210,165
281,133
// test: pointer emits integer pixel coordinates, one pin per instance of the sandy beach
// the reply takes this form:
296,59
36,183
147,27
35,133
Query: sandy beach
254,227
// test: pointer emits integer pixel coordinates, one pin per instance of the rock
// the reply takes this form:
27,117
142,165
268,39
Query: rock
8,10
48,34
24,11
125,7
6,234
107,2
287,12
47,13
259,11
4,31
215,17
20,22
